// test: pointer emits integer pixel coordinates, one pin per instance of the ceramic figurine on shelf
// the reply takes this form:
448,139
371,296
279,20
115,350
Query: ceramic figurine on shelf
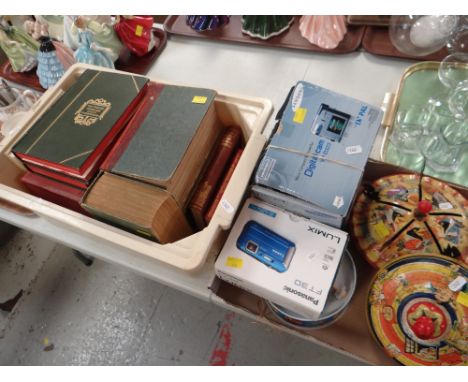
203,23
49,67
89,52
19,47
136,32
106,37
54,25
265,27
17,20
70,33
102,28
324,31
36,29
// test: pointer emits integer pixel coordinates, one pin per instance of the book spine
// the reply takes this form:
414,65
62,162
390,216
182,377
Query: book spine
26,159
83,184
205,191
152,93
55,192
209,214
120,223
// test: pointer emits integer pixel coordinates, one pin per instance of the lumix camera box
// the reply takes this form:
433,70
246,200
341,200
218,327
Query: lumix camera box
318,153
289,260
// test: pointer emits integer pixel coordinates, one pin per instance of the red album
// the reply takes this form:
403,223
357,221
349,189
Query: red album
53,191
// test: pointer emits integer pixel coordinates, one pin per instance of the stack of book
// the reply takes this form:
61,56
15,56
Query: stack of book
130,152
66,145
70,140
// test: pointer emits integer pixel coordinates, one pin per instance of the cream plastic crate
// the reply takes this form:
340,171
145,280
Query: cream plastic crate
188,254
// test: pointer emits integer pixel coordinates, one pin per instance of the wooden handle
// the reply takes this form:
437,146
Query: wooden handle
388,106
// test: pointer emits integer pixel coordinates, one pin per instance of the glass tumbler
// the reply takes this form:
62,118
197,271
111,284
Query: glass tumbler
458,101
458,40
444,151
408,129
453,70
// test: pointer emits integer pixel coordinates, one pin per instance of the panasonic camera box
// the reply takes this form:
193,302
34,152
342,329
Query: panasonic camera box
289,260
318,153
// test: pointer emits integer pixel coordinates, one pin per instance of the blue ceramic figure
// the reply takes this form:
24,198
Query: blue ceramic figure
49,67
89,52
203,23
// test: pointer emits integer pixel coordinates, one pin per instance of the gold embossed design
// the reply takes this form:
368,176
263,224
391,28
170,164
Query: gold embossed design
92,111
63,111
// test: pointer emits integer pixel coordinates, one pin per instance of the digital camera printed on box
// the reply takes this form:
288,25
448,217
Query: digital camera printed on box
266,246
318,152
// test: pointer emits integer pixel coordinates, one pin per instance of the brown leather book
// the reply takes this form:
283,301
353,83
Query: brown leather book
219,194
141,208
205,191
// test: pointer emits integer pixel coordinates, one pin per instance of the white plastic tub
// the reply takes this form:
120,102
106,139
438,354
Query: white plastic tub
188,254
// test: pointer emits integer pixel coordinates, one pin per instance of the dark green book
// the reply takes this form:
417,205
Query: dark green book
73,135
172,144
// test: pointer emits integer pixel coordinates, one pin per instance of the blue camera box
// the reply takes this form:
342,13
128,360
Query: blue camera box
318,153
289,260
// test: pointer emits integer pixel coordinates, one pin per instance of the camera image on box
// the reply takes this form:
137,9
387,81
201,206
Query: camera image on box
266,246
330,123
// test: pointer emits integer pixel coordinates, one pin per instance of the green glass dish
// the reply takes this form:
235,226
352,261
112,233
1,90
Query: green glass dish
265,27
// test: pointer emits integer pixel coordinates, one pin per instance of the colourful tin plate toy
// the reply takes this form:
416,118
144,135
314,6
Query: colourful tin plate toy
406,215
418,310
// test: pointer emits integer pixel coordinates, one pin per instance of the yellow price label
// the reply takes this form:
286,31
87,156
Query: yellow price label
462,298
199,99
234,262
381,231
138,30
300,115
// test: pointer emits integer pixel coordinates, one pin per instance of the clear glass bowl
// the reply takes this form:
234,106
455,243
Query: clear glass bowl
421,35
453,70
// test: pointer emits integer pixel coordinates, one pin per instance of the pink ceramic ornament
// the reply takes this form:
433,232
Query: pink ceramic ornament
64,54
323,31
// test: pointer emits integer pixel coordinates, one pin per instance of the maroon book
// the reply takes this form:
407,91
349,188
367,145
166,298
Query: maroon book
53,191
205,191
219,194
